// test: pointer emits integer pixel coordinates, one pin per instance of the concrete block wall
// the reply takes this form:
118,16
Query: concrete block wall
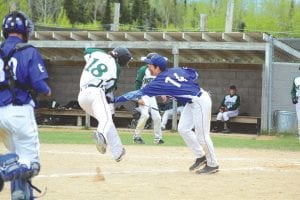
283,75
247,81
65,76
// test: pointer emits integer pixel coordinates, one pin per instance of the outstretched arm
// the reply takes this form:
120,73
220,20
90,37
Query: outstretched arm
133,95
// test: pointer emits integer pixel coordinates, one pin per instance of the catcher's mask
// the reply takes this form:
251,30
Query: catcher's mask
17,22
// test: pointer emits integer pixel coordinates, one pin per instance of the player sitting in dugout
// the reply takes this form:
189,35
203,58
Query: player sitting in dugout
229,108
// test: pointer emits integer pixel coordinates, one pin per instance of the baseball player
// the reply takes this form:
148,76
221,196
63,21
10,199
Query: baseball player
98,79
142,79
181,84
22,70
295,93
229,108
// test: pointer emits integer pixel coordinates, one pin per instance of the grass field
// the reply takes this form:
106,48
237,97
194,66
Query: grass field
79,136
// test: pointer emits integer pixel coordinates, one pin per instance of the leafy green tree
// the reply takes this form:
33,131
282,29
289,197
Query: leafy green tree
107,15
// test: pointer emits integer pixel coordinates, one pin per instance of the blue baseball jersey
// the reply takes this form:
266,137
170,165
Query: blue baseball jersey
28,69
180,83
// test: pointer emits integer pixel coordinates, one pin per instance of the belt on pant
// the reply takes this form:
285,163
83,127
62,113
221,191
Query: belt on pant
197,95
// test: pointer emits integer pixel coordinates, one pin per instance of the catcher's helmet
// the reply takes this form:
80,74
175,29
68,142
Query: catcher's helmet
122,55
17,22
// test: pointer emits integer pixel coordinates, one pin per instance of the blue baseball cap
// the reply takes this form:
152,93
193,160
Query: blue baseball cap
157,60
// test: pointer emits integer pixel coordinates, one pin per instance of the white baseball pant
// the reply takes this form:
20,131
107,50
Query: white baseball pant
155,116
20,133
227,114
198,115
93,101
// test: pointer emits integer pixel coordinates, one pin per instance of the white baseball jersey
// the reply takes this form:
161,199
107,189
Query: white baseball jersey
297,86
100,69
147,78
231,101
98,77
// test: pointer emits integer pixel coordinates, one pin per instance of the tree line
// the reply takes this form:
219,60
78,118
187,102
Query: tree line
279,18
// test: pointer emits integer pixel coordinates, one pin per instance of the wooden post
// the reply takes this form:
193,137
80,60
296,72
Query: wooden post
175,52
87,121
266,101
202,22
115,26
229,16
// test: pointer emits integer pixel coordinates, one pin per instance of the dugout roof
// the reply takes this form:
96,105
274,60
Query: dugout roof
192,47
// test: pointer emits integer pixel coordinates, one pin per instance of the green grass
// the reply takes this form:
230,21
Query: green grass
281,142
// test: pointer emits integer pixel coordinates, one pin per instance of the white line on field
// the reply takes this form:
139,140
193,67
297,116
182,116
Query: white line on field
151,172
168,157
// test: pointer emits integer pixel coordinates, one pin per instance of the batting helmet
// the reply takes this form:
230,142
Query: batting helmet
122,55
17,22
149,55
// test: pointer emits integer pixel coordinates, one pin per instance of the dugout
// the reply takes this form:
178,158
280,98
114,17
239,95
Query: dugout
243,59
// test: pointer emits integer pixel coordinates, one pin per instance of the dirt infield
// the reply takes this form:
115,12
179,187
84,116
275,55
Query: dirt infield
158,172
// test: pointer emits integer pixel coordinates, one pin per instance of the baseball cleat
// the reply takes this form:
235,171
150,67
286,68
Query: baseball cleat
208,170
160,141
121,156
199,162
100,142
138,140
226,131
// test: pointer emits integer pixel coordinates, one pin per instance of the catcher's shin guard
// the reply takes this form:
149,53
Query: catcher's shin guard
11,170
21,189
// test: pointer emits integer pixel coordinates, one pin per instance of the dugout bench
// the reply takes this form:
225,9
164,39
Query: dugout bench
80,114
243,119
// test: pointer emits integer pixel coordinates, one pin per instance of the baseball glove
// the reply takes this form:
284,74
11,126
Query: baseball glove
295,100
223,109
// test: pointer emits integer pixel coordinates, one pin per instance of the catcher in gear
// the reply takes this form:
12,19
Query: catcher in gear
22,70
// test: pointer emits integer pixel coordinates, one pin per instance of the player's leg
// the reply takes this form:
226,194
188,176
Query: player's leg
144,111
20,124
185,127
167,114
219,124
156,118
102,112
86,99
201,112
227,115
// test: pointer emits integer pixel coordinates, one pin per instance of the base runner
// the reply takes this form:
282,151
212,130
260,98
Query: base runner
99,77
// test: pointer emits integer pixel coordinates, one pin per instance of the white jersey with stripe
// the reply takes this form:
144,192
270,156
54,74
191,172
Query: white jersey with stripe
147,78
230,101
100,69
297,86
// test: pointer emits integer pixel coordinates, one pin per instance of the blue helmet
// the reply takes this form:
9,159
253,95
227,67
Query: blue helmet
17,22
